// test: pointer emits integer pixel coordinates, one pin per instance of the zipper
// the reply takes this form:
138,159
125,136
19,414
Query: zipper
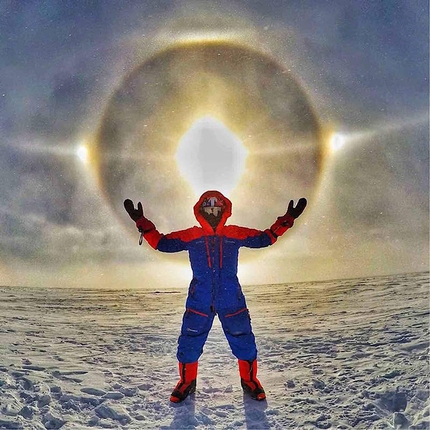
208,254
220,252
236,313
213,273
197,312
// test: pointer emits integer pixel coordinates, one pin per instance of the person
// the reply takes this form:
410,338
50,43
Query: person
214,289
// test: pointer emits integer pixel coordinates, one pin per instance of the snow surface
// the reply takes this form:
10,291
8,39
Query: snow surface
340,354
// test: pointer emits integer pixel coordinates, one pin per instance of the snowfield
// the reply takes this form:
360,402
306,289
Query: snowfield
341,354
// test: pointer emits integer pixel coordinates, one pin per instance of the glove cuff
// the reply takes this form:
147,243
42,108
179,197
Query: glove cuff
287,220
144,225
281,225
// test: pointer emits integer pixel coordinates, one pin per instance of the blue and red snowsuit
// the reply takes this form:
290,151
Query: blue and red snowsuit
214,289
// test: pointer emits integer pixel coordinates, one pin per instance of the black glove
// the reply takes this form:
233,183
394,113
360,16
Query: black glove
295,212
135,214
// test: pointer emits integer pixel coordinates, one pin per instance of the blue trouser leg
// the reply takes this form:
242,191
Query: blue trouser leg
194,332
237,328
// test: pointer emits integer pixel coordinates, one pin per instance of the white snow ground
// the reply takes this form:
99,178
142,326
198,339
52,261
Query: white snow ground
340,354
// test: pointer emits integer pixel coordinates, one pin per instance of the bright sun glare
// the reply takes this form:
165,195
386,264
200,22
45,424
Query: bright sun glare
210,156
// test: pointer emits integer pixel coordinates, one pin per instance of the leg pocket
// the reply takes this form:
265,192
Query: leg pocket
238,331
195,323
194,332
237,323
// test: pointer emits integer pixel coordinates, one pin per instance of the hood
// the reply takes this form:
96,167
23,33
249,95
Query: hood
227,211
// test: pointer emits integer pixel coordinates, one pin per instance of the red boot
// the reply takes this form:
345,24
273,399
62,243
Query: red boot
187,383
248,379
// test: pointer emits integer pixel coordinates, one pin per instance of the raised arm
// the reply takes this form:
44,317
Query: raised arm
171,242
285,222
252,238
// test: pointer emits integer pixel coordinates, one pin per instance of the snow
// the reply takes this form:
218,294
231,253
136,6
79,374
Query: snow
340,354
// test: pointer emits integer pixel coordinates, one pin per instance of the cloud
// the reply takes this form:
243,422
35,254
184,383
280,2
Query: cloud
364,66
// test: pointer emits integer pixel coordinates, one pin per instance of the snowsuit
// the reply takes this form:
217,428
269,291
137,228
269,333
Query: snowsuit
214,289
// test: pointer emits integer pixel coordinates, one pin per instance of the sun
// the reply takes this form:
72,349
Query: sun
210,156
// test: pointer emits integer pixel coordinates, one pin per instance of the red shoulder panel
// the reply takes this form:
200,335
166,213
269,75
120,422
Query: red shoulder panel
237,232
186,235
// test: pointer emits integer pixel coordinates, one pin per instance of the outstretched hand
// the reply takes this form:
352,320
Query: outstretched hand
295,212
135,214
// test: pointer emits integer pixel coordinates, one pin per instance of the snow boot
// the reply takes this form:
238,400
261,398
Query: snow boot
248,379
187,383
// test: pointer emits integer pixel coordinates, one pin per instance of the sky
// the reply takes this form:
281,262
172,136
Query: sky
266,100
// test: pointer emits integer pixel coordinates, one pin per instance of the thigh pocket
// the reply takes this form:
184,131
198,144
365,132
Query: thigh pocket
237,323
195,323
